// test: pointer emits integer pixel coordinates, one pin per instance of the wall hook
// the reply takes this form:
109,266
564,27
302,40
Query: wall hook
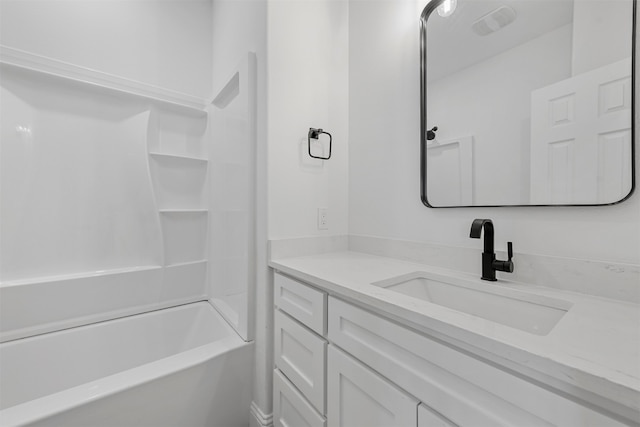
315,134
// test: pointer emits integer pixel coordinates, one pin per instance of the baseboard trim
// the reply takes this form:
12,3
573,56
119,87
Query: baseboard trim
259,418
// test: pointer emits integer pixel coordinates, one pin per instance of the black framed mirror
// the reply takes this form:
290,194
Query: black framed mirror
527,102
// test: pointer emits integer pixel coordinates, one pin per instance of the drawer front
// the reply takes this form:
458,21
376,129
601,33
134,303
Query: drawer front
462,388
301,356
357,396
302,302
290,409
429,418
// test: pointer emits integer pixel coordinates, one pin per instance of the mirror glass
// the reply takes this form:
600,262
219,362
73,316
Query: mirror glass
527,102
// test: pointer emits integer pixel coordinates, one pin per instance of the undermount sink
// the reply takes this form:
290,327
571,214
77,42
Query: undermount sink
528,312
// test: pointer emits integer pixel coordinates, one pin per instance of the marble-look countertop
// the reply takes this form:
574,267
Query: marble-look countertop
594,348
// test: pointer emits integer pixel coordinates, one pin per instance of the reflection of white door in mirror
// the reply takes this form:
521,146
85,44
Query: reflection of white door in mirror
450,172
581,138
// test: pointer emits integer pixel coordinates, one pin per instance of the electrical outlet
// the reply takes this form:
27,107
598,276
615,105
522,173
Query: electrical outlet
323,218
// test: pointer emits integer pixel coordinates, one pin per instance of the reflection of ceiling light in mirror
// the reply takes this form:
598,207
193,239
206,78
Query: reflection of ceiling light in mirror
494,20
447,8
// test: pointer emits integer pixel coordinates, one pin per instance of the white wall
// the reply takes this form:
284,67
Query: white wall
384,173
598,37
308,87
165,43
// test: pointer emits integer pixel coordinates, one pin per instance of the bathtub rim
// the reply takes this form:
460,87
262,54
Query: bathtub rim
50,405
56,403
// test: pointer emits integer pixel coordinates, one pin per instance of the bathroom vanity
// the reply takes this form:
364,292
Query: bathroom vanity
363,340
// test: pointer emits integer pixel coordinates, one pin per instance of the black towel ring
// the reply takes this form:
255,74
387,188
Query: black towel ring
315,134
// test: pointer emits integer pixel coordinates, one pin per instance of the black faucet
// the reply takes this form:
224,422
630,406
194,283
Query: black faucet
489,262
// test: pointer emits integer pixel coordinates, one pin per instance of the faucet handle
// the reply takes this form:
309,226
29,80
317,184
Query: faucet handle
506,266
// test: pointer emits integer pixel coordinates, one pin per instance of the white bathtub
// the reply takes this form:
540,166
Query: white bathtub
178,367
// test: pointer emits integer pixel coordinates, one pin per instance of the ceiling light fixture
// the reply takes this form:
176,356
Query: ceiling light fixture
447,8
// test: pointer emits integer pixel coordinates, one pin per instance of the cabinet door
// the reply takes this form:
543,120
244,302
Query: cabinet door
358,397
429,418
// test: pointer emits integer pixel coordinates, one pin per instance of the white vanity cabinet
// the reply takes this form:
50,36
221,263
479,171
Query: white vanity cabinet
349,367
461,387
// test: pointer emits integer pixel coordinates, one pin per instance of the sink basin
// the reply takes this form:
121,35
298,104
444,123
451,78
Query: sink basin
530,313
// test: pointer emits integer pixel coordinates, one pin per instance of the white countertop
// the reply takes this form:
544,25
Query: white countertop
595,347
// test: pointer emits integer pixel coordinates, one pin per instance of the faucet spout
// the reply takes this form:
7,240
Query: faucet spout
476,231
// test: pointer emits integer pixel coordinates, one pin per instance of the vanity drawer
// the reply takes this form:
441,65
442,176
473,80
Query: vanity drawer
462,388
428,418
302,302
301,356
290,409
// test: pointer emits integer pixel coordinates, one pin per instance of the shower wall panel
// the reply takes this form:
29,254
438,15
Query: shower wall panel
76,194
103,198
233,198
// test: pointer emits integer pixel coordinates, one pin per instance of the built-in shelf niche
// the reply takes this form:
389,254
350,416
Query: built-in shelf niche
178,133
179,181
179,171
184,233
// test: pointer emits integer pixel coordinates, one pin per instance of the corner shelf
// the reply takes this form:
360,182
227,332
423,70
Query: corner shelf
184,211
177,157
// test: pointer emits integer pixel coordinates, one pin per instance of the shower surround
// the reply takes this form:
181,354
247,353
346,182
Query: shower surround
105,214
